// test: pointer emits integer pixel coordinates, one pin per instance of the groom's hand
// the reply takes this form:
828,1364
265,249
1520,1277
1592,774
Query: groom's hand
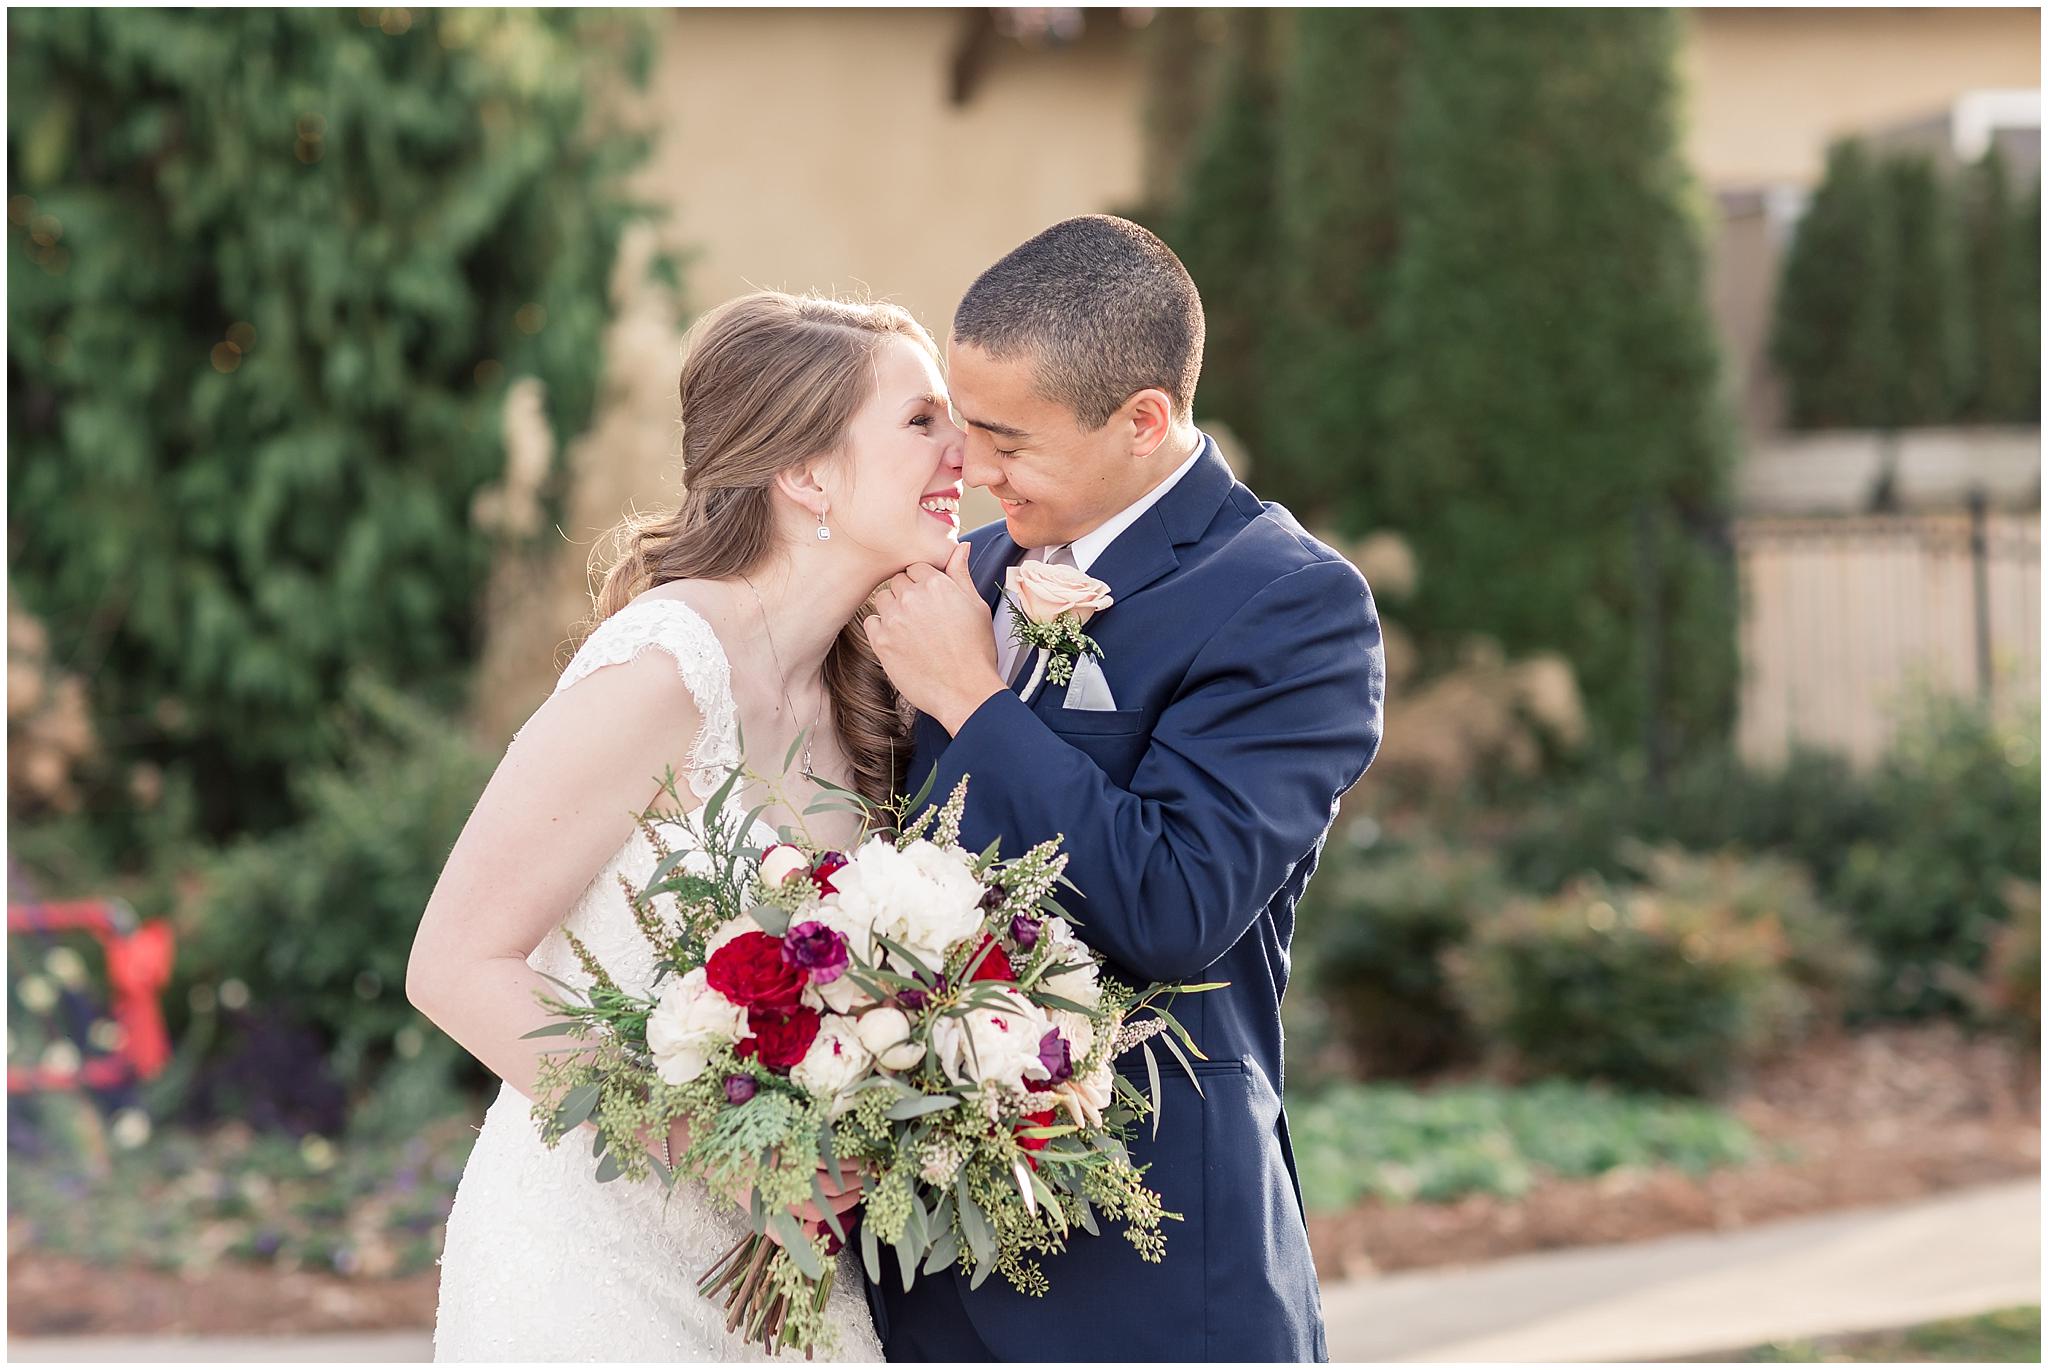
932,633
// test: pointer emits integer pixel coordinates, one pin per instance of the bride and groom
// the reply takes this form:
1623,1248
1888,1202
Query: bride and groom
814,582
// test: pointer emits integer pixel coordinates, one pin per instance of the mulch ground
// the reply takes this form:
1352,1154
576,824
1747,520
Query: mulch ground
1887,1115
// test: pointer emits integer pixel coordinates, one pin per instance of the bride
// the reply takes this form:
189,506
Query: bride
819,460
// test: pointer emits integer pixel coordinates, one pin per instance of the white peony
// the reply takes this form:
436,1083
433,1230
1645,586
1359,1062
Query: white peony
992,1046
886,1032
690,1022
836,1061
921,898
1082,985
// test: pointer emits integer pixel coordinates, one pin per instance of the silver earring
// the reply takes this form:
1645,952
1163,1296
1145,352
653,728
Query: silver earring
824,533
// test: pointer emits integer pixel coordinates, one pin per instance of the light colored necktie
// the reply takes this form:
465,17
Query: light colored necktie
1013,659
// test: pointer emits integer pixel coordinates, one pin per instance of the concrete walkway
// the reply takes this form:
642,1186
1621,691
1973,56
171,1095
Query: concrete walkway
1966,1252
1857,1270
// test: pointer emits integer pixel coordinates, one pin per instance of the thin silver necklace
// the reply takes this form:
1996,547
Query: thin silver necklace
769,634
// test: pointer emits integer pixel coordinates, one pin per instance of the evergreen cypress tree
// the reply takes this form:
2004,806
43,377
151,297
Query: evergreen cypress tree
1831,336
1338,218
2004,379
1929,322
1557,449
270,273
1222,229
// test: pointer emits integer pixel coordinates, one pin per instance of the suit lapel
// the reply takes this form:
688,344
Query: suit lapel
1144,552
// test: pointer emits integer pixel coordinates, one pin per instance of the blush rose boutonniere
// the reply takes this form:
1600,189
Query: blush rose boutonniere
1050,605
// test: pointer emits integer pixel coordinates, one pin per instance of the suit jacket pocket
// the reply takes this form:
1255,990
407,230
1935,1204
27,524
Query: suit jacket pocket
1095,722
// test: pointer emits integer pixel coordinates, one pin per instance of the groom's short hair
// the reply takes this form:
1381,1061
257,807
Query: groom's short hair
1102,306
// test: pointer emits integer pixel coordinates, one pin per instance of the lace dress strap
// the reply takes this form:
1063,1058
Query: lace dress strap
684,634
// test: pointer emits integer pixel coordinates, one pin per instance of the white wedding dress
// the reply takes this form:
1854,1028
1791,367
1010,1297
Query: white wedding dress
542,1262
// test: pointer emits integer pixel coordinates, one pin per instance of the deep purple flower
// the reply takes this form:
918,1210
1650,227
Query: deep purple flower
817,949
739,1089
916,999
992,898
1024,931
1057,1057
267,1242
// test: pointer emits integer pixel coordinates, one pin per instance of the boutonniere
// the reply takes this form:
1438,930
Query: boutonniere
1049,607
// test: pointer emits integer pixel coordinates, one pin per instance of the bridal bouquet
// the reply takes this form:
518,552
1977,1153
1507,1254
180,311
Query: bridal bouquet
919,1012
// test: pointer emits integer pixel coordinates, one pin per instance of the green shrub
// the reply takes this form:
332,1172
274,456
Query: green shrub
317,921
1380,923
1958,800
1831,330
1642,989
1812,809
1823,956
269,274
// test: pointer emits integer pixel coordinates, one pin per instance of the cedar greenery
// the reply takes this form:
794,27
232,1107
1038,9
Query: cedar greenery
271,272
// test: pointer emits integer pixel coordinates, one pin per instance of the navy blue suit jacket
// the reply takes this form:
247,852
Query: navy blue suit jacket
1246,663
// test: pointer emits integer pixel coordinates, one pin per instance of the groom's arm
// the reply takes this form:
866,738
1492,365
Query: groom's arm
1279,715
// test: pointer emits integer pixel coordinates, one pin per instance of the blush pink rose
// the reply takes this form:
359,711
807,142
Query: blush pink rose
1043,592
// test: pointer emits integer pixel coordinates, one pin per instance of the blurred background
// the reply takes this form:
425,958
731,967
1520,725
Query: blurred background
1674,377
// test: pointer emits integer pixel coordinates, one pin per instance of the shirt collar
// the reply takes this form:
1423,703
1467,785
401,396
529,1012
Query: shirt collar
1091,545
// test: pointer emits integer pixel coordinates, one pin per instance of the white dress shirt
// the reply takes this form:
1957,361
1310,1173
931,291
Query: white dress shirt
1085,550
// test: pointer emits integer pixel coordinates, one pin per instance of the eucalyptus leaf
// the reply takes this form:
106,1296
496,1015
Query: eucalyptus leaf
824,1207
561,1029
790,1236
944,1252
1152,1078
870,1253
577,1106
1088,1222
770,919
609,1169
975,1225
919,1105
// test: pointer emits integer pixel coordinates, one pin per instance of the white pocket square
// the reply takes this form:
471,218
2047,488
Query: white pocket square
1089,688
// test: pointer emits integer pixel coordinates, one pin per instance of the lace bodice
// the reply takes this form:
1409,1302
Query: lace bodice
542,1261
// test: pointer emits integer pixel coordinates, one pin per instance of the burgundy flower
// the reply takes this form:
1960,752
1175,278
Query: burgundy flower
821,874
1031,1144
915,999
995,965
739,1089
992,898
833,1246
751,971
780,1039
1024,931
815,948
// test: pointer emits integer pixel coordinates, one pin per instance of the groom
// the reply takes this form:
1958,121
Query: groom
1194,769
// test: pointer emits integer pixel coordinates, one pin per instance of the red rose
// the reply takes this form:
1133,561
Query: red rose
995,965
780,1039
750,970
1030,1144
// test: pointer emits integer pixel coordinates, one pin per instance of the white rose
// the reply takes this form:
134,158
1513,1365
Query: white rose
780,862
921,898
992,1046
1083,984
835,1063
886,1032
691,1021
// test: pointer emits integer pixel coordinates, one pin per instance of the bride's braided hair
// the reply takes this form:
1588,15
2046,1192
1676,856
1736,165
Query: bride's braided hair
769,381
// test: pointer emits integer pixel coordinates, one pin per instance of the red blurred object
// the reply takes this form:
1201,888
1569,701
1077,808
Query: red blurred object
138,967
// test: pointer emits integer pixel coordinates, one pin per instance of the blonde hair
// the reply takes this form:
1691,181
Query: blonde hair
769,381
